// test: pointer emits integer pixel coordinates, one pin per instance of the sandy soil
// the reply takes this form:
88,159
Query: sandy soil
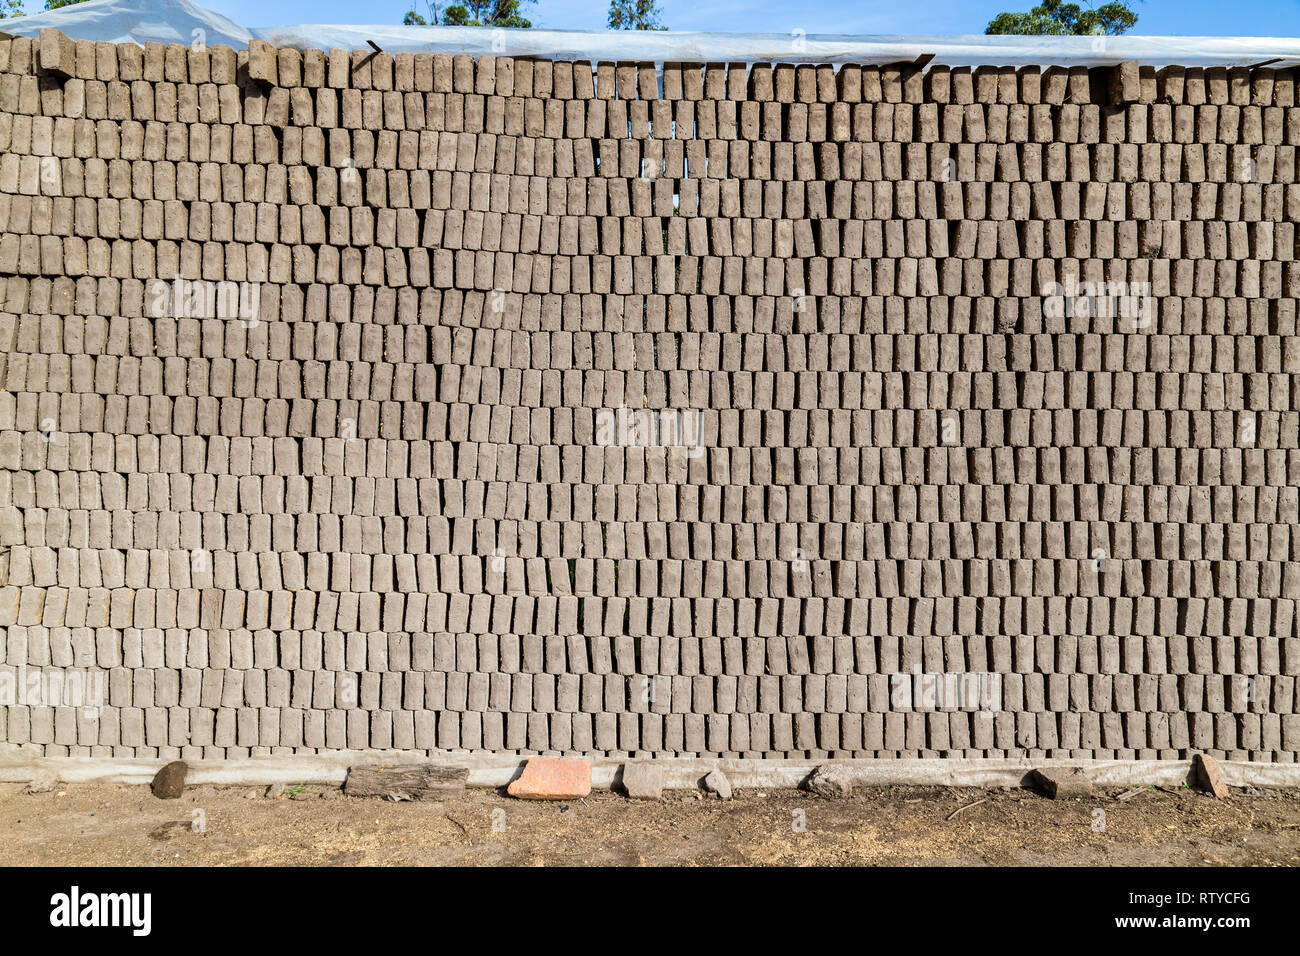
116,825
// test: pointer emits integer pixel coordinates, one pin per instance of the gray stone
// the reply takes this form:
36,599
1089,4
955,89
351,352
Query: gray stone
43,782
829,780
716,782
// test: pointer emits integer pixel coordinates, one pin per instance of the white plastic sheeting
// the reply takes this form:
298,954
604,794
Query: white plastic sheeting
141,21
175,21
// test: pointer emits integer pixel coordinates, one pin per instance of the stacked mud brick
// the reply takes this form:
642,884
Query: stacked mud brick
378,514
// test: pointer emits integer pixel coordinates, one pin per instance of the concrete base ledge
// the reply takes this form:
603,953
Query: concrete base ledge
496,770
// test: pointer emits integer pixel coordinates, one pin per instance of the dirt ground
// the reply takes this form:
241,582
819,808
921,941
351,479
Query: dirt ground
98,825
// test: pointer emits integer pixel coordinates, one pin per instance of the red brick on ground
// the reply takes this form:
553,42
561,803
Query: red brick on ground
552,778
1209,776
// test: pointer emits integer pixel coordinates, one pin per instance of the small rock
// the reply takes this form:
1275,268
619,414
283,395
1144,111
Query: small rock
717,782
43,782
1209,776
169,782
275,791
643,780
829,780
552,778
1057,782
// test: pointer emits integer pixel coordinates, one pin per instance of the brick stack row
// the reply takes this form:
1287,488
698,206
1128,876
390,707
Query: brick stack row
358,401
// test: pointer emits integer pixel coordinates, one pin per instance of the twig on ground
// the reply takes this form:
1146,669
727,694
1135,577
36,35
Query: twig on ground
967,807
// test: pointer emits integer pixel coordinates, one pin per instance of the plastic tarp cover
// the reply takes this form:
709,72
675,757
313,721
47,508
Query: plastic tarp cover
179,21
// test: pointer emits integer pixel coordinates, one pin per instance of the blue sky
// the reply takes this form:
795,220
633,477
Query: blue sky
1155,17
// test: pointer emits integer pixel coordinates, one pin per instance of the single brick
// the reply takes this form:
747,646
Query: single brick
642,780
1209,776
552,778
1057,782
58,53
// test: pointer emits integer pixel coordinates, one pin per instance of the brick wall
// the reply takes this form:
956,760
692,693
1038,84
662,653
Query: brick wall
983,373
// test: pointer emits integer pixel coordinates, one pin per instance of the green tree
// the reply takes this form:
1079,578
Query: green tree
486,13
11,8
57,4
634,15
1055,18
